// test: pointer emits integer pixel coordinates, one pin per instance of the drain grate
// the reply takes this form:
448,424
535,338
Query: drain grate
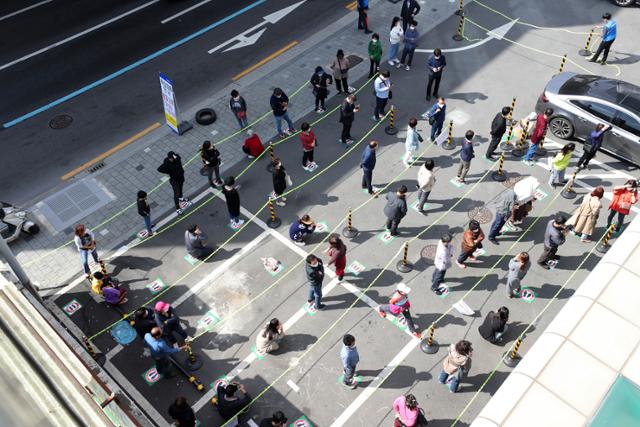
429,252
96,167
511,181
61,121
481,214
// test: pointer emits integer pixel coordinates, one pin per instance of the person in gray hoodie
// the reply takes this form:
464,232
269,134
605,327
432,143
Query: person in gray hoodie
518,267
315,275
395,209
504,207
554,236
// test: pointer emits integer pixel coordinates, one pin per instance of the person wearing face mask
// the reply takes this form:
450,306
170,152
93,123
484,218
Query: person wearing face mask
172,166
315,275
340,68
395,37
382,86
375,54
279,182
435,116
410,8
411,37
321,82
435,64
363,20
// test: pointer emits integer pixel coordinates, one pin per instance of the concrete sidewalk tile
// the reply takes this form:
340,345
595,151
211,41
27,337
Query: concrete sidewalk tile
619,297
539,407
597,280
539,354
569,316
507,396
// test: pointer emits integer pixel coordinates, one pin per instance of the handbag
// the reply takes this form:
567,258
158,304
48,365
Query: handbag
420,138
431,120
287,179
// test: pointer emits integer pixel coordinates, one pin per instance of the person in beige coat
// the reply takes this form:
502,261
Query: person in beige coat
269,338
584,219
340,68
456,365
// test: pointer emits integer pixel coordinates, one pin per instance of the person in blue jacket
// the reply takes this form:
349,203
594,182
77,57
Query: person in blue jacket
466,154
363,20
411,37
368,163
350,358
609,33
436,115
301,228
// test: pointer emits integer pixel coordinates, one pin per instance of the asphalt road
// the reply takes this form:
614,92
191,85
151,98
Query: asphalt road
113,111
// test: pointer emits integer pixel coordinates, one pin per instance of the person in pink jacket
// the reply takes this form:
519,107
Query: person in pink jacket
406,410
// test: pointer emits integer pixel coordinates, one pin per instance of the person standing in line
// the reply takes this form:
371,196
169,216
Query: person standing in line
396,34
268,340
309,143
337,252
211,161
277,420
279,175
584,219
518,267
315,275
181,413
238,107
350,358
442,261
466,154
340,68
86,243
498,128
624,196
411,142
406,411
540,129
144,210
504,208
280,106
435,64
471,241
300,229
145,321
592,145
368,163
494,325
382,87
559,165
426,181
411,37
436,116
399,304
554,237
172,166
167,319
375,54
231,195
456,365
609,33
395,209
229,402
410,8
252,145
363,20
321,82
160,351
348,111
196,243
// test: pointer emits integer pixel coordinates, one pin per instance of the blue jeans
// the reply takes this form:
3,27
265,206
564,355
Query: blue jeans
455,380
437,278
242,121
497,225
531,151
393,51
557,176
278,119
84,256
147,223
436,128
315,292
349,373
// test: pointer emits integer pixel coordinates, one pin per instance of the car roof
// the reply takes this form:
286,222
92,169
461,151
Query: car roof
615,91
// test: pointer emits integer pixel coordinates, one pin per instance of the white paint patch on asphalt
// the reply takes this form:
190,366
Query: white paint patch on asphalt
18,12
293,386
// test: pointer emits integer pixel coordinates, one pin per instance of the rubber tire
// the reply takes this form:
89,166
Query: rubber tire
206,116
572,128
35,229
624,3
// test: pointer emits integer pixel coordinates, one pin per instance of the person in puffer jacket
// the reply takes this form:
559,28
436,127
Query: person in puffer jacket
456,365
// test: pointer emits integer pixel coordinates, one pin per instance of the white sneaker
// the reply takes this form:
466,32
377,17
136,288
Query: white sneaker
240,222
299,243
399,65
250,157
392,63
352,89
280,203
407,68
284,199
179,211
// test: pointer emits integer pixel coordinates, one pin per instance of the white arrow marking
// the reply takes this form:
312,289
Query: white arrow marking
245,40
496,33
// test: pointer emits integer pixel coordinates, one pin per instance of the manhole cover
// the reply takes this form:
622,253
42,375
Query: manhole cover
511,181
481,214
429,252
61,121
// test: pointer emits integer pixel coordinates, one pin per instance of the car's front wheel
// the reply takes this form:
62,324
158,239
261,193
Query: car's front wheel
561,127
624,3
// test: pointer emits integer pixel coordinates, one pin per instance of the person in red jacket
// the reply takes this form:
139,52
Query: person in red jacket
309,143
538,133
252,145
623,197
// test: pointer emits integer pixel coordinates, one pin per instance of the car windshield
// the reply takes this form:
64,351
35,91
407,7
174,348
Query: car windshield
615,91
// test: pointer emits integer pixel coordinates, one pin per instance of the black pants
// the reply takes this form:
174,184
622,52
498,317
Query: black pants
380,104
493,145
340,83
604,49
434,80
407,52
585,158
163,366
392,226
367,177
307,157
547,255
374,66
319,102
346,131
177,191
363,22
612,214
211,170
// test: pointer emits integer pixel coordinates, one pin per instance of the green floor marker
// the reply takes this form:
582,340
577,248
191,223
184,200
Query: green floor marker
191,260
385,237
156,286
355,268
151,376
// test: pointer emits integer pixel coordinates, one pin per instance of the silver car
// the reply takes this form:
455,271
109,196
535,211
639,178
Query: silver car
581,101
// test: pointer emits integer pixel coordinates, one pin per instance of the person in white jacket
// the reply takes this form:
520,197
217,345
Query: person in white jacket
395,37
426,180
411,142
442,262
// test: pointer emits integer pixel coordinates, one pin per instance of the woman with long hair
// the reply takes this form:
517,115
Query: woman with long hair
337,252
269,338
395,37
518,267
624,196
584,219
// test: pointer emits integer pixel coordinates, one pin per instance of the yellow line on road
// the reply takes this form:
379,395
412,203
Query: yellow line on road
264,61
109,152
352,6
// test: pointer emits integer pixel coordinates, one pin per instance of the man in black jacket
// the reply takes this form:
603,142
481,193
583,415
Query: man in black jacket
172,166
280,106
395,209
410,8
211,162
347,115
498,127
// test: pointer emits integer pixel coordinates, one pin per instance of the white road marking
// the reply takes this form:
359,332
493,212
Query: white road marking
75,36
187,10
18,12
252,423
293,386
497,34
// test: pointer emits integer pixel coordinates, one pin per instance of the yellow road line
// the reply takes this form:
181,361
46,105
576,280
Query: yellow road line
109,152
352,6
264,61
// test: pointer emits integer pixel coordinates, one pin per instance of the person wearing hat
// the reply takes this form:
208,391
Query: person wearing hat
172,166
320,81
442,262
314,270
395,209
399,304
554,236
252,145
168,321
277,420
301,228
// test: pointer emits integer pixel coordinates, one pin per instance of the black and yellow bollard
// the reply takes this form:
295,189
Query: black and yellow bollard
512,358
404,266
192,361
429,345
272,157
273,221
586,51
506,145
604,246
98,357
349,231
191,378
499,175
391,129
521,149
568,191
449,145
458,36
460,11
564,60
